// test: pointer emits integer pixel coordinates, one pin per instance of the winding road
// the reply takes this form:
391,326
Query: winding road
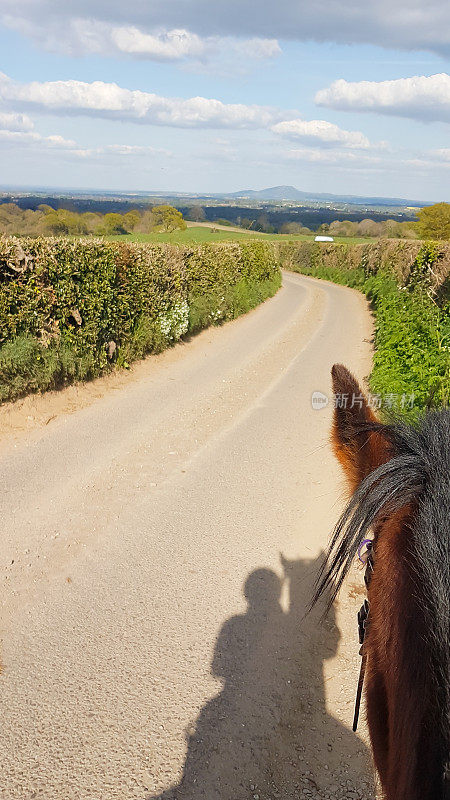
157,554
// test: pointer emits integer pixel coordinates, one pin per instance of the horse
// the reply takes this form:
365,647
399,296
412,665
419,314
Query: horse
399,478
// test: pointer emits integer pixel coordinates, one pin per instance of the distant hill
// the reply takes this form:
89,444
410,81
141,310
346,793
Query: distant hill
274,193
291,193
102,200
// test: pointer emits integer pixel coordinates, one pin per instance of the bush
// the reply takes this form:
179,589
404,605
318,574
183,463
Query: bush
70,309
407,284
434,221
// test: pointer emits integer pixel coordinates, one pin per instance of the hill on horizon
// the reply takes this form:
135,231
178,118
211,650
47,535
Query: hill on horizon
292,193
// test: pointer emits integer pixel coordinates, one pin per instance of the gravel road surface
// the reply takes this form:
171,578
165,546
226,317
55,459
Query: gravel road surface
158,548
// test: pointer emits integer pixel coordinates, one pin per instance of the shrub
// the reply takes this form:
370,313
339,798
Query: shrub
434,221
407,284
69,309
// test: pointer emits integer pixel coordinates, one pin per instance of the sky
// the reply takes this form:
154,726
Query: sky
206,96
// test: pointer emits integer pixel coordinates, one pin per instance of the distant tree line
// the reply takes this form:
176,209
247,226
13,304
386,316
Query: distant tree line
48,221
369,228
271,217
432,222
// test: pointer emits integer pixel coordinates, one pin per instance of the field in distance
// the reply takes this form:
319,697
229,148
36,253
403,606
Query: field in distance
208,232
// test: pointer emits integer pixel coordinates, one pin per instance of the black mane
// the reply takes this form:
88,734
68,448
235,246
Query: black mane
418,473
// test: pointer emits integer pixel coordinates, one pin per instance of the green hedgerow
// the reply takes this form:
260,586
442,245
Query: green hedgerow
407,284
71,309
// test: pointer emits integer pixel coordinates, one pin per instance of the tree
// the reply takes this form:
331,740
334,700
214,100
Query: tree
343,227
368,227
263,224
167,218
434,221
92,221
131,219
294,228
62,222
11,218
196,214
407,230
113,225
399,230
146,223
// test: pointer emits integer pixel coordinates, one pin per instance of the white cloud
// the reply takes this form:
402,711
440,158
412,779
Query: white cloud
318,131
84,36
15,122
171,46
332,156
253,48
400,162
433,159
110,101
443,154
421,97
133,150
30,138
406,24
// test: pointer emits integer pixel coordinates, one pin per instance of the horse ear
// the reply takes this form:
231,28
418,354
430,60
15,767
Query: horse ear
359,449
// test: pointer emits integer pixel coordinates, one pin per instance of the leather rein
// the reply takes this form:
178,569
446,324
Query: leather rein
363,623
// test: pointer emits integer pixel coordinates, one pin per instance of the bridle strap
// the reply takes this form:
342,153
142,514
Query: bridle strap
362,673
363,621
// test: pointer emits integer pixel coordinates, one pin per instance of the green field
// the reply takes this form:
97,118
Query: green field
199,235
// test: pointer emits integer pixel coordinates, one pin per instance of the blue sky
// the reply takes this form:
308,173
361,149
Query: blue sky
209,97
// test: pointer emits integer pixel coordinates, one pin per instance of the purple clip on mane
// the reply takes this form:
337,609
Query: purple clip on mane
365,543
